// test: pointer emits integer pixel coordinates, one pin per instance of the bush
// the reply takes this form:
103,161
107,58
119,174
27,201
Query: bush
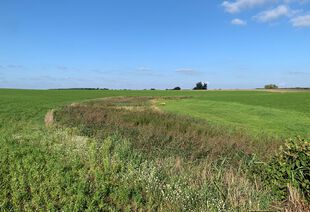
177,88
290,166
271,86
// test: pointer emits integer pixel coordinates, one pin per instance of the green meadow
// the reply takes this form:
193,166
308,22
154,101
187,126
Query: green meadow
277,114
154,150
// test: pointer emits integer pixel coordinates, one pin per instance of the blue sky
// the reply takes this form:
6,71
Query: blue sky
140,44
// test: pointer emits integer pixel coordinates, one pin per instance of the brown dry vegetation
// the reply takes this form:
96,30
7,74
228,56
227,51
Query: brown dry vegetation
156,133
49,118
295,202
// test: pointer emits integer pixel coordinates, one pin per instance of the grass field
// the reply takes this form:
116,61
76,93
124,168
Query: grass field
123,154
277,114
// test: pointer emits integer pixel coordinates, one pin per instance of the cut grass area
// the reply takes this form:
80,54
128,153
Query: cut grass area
264,118
296,101
31,105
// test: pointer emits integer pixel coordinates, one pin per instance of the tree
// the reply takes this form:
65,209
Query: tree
271,86
176,88
201,86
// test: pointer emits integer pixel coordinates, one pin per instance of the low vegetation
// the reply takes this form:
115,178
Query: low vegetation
155,136
152,130
194,162
290,166
126,153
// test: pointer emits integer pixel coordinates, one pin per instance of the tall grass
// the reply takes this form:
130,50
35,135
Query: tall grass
189,163
57,170
159,134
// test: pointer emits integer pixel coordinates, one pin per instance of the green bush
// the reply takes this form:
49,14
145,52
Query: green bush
290,166
271,86
177,88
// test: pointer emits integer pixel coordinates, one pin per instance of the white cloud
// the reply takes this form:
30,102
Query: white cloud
144,69
298,73
301,21
296,1
63,68
280,9
188,71
15,66
275,13
239,5
238,22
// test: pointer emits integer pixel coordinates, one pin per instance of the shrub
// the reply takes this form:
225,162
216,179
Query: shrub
177,88
271,86
290,166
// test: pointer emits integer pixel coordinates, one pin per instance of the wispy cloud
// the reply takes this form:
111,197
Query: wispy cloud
296,1
238,22
301,21
50,78
298,73
2,79
292,10
15,66
188,71
99,71
239,5
146,71
12,66
275,13
62,67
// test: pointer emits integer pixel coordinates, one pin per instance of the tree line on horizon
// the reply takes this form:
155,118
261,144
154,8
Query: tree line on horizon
199,86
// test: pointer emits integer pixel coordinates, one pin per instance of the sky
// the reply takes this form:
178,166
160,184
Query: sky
138,44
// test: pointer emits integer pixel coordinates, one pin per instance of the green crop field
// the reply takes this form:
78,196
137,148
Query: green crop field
199,151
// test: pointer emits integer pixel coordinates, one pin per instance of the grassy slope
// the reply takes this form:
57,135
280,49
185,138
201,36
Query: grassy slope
281,114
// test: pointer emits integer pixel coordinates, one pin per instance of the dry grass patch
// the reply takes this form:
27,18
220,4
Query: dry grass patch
49,118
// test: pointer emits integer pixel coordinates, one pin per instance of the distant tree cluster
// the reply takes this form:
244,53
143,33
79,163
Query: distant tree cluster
201,86
271,86
177,88
80,89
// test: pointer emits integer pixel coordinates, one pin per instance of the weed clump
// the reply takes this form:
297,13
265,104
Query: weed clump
290,167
